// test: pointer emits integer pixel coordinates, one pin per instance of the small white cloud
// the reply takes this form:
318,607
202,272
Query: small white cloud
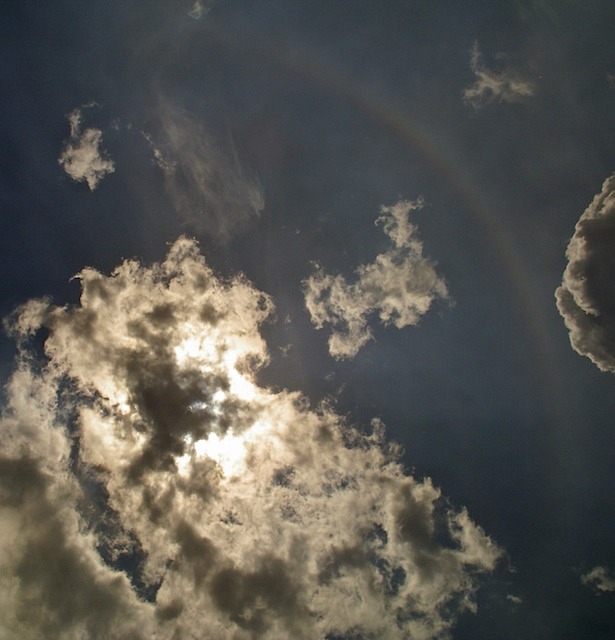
490,86
599,579
586,298
514,599
200,8
400,286
145,441
82,158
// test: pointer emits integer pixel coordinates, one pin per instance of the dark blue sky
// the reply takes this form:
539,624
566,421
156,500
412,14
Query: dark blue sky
329,111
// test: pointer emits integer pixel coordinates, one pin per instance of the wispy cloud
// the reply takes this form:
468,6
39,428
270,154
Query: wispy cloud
400,286
205,179
491,86
599,579
145,442
200,8
586,298
82,158
168,166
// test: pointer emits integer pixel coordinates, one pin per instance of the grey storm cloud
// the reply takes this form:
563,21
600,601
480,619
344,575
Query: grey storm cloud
204,177
82,158
586,298
141,439
400,286
491,86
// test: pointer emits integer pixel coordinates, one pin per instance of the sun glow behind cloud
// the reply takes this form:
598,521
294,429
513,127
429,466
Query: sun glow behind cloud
230,450
227,450
214,350
203,350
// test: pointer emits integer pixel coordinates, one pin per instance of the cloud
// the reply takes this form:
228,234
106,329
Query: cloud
52,582
490,86
82,158
203,175
151,488
599,580
400,285
168,166
586,298
200,8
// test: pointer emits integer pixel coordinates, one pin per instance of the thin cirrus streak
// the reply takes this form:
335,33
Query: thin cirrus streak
207,184
149,479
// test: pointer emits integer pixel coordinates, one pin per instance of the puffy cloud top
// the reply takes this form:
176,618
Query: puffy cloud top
400,285
586,298
150,488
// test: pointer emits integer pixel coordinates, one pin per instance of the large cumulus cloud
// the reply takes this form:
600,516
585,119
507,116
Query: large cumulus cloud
400,285
151,489
586,298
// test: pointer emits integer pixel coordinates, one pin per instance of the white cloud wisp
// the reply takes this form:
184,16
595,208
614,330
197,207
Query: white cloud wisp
203,176
200,8
150,488
400,285
82,158
586,298
490,86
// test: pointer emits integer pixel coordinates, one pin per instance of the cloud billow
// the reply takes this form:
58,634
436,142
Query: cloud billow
255,515
82,158
586,297
400,286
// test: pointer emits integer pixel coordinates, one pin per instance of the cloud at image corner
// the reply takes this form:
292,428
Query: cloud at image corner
82,157
211,189
302,526
586,297
400,286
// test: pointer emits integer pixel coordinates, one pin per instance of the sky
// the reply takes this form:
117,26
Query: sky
308,320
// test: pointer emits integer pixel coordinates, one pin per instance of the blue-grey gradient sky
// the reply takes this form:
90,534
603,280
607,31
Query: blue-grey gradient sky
402,180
